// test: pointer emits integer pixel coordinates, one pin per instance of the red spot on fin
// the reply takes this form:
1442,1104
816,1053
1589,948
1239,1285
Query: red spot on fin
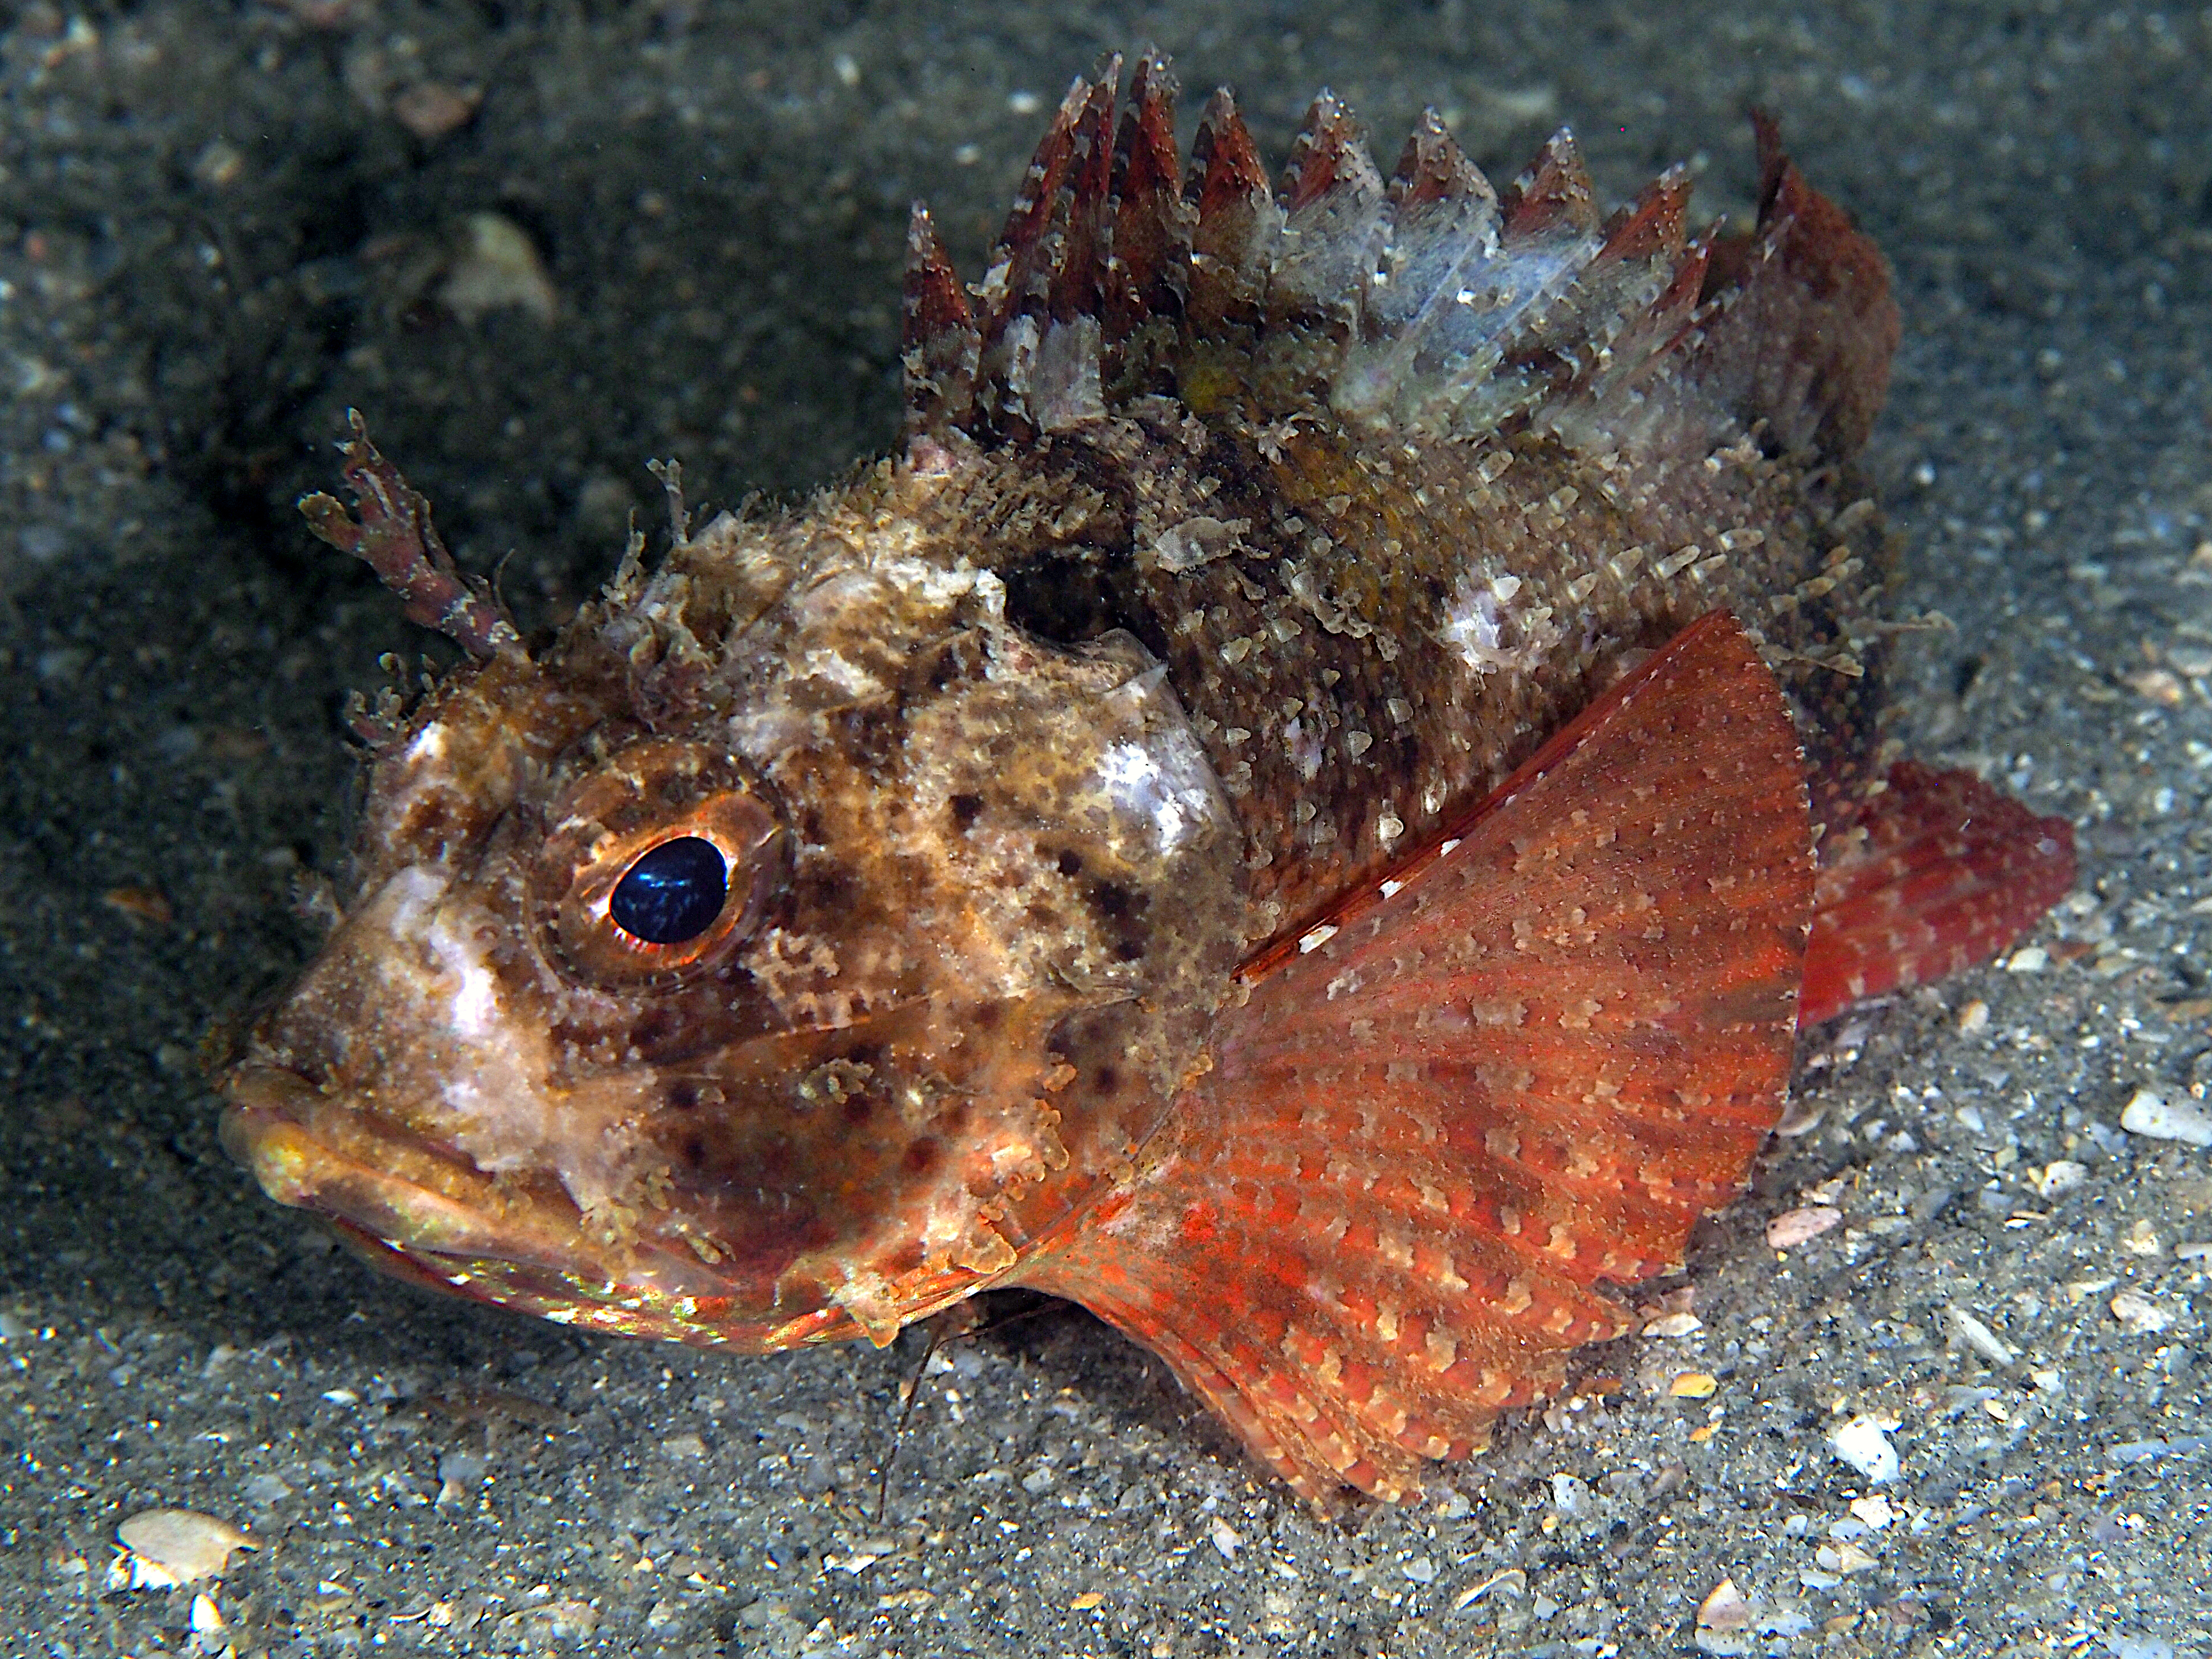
1378,1220
1942,873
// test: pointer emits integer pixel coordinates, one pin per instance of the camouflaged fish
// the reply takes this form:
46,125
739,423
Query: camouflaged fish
1291,813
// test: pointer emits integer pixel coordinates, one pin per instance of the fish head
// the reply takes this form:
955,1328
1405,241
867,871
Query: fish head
774,957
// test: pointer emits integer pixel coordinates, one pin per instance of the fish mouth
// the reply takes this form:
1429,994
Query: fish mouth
433,1218
316,1151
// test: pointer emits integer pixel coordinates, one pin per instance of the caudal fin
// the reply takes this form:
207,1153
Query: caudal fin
1542,1052
1943,872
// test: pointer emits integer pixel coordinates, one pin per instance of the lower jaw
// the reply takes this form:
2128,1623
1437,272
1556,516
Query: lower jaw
453,1230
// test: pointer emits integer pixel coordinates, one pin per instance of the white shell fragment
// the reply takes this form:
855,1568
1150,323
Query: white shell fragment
1980,1337
2139,1316
2151,1114
1795,1227
169,1548
2059,1177
498,268
1863,1443
1724,1608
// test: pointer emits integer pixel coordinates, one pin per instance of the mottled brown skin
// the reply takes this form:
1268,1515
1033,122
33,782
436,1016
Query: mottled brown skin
1316,652
1220,577
965,1003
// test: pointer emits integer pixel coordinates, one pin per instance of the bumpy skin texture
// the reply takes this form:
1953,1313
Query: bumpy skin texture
1244,543
1004,904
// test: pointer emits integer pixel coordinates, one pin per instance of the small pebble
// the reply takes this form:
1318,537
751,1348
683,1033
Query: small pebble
263,1489
1863,1443
1874,1512
2033,960
1693,1385
169,1548
1724,1608
498,268
1980,1337
1675,1324
2139,1316
1844,1559
1795,1227
2061,1176
431,109
2152,1115
140,904
2142,1239
1973,1017
1511,1582
1225,1538
2157,684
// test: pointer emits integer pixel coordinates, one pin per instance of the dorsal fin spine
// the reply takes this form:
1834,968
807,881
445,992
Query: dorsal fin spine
1427,305
938,337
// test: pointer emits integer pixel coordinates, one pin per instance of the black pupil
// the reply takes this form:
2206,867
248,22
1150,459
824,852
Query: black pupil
672,894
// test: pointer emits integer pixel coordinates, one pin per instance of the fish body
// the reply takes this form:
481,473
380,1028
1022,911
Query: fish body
1291,812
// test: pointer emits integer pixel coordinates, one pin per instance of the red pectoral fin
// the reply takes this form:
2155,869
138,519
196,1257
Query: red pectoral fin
1531,1067
1944,873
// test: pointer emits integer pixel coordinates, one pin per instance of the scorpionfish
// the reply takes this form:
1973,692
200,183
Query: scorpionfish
1303,811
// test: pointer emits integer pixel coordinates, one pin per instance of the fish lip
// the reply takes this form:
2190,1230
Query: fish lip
319,1151
431,1216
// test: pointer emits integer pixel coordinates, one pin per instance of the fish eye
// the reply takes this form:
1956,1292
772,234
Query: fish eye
658,862
673,893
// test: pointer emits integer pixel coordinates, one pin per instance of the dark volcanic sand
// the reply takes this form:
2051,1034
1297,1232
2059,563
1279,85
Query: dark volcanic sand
217,231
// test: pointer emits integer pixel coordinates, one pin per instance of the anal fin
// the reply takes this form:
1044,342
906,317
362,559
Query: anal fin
1942,873
1380,1218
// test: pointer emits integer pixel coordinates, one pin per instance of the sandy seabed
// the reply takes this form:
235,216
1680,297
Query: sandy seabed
540,245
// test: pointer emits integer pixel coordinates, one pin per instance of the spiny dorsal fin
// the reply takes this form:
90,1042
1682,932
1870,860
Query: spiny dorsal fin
1232,245
1428,305
1335,217
1038,371
1803,325
1148,268
938,339
1555,194
1433,170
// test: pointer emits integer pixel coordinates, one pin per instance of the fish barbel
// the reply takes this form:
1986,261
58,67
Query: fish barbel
1303,811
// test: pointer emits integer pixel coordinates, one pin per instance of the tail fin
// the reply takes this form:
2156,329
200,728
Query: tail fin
1942,872
1428,303
1549,1047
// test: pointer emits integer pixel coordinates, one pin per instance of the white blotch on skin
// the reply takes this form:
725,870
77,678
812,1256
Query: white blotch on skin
1135,783
1482,614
